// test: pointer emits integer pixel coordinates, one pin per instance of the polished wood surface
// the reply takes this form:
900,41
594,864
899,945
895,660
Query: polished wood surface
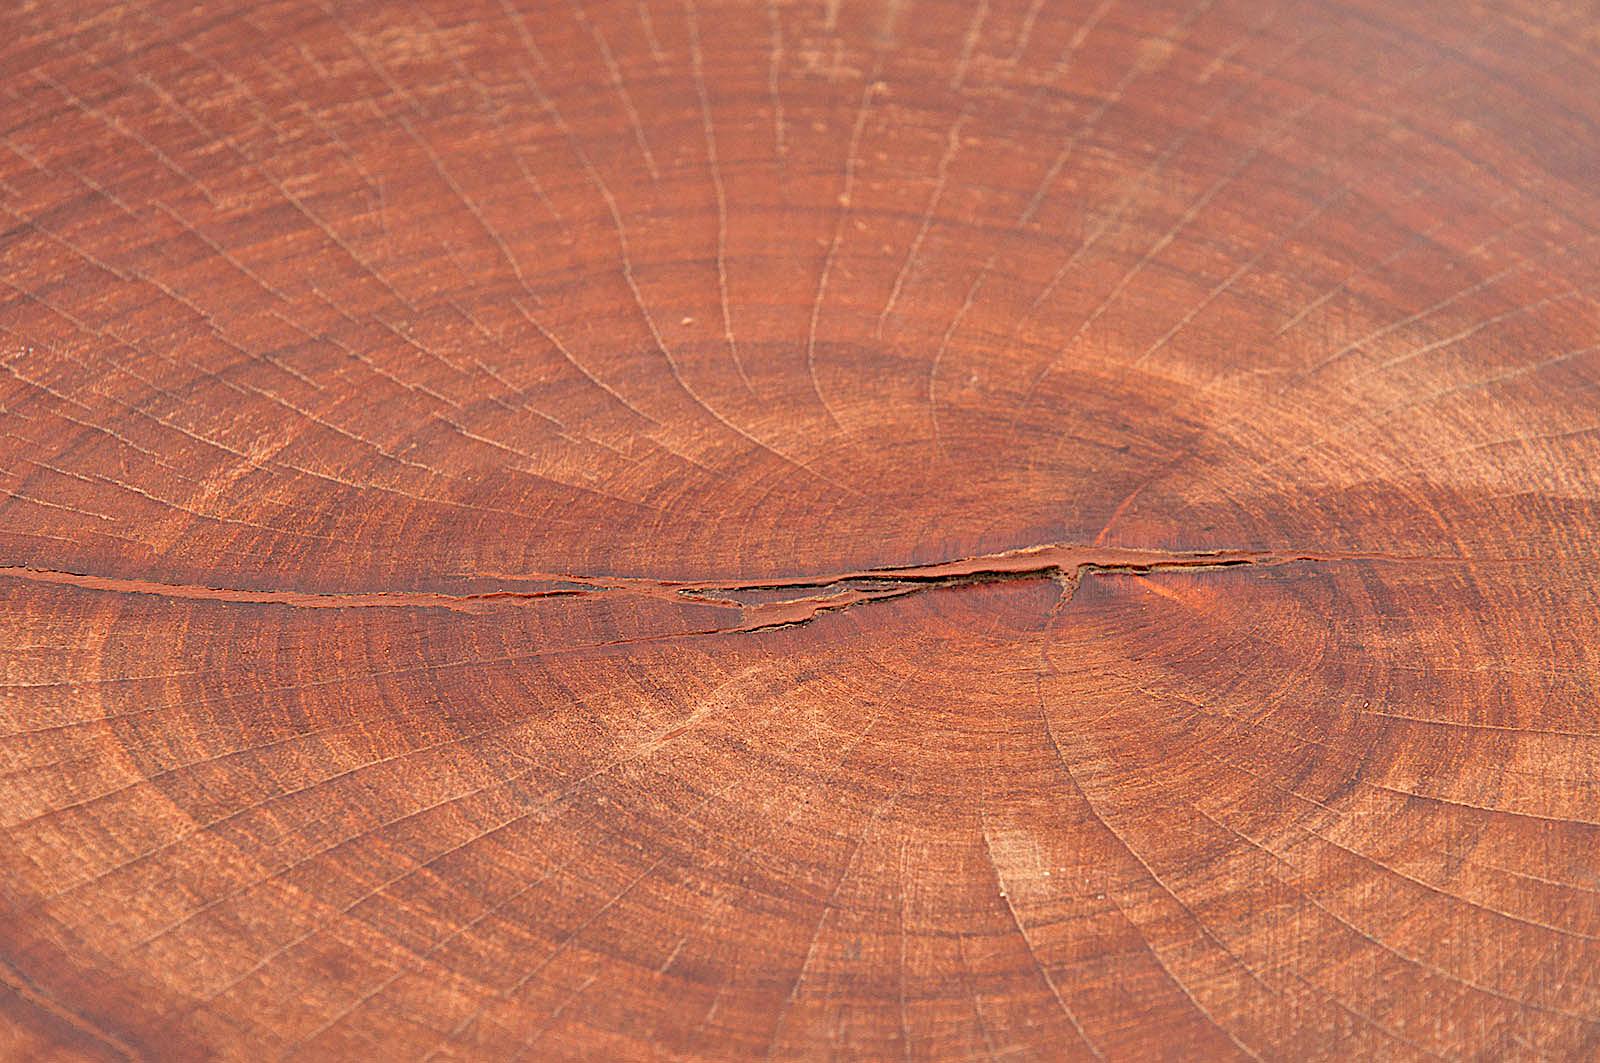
694,530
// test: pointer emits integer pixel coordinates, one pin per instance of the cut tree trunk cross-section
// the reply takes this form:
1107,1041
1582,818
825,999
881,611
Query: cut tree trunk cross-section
799,529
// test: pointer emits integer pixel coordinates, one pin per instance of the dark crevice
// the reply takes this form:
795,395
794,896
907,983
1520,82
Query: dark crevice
761,603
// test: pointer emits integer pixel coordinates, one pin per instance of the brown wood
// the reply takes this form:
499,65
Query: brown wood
628,529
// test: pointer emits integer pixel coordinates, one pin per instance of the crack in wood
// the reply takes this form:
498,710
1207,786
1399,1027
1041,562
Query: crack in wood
1063,562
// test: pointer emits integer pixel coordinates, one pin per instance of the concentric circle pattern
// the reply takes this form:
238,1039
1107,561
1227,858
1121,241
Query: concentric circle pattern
864,529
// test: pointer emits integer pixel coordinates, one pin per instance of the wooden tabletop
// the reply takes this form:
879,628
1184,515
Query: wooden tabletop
657,529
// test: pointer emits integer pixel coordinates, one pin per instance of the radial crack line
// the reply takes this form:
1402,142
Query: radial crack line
815,594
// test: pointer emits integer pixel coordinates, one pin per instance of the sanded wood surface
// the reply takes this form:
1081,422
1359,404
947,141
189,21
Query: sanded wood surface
638,529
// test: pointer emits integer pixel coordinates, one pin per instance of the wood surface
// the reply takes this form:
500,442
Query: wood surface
640,529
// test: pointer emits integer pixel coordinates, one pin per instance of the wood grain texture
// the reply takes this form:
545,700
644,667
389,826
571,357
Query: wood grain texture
651,529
